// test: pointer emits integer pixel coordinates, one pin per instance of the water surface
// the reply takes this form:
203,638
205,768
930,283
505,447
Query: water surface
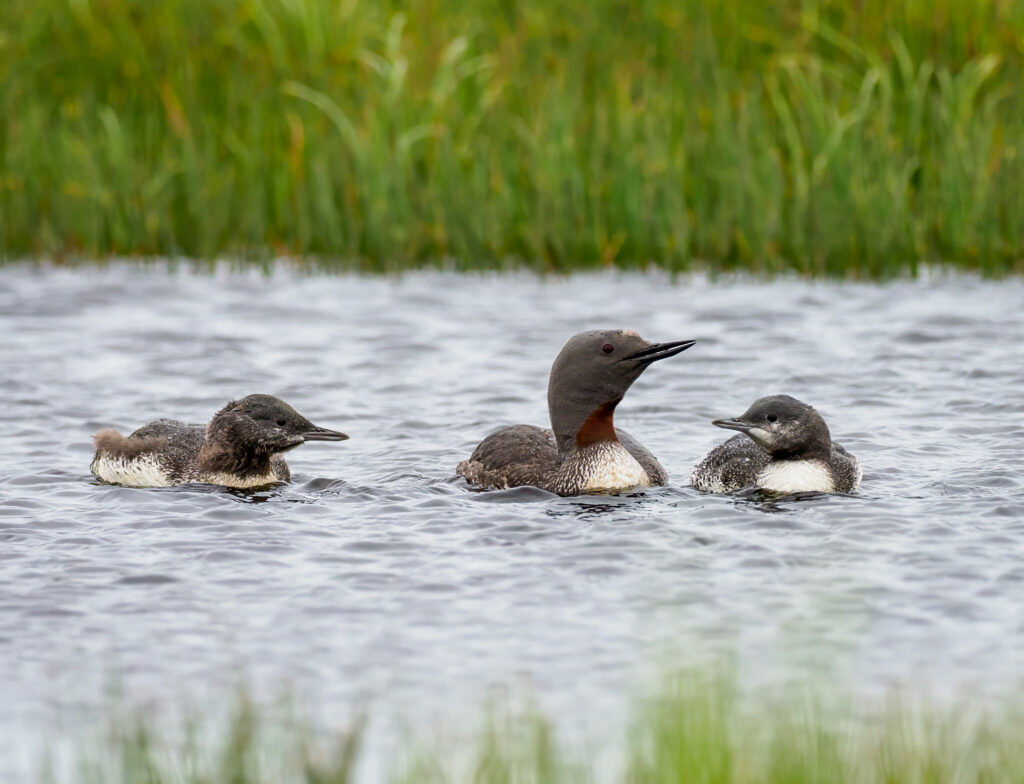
378,578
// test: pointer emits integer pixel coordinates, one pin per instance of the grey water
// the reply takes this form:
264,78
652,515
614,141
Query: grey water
378,579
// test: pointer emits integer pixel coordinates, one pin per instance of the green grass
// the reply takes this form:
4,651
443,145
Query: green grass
853,137
702,730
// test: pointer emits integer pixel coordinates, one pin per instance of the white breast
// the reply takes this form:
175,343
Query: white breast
615,469
796,476
145,471
141,471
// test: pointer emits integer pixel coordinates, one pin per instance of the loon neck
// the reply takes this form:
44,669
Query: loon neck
599,426
219,455
816,449
584,426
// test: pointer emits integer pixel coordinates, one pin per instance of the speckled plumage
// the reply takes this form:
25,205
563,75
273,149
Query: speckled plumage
171,457
793,453
583,452
241,447
528,455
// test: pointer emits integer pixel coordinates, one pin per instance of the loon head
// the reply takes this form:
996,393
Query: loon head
590,376
267,424
783,427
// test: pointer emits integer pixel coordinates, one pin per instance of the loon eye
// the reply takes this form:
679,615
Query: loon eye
281,423
607,348
772,418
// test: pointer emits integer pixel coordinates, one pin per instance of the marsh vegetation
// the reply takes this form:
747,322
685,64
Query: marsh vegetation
826,137
701,728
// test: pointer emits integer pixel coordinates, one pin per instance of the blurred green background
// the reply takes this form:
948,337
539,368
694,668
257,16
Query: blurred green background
858,138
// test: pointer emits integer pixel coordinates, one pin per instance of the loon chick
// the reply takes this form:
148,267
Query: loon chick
583,452
785,448
241,447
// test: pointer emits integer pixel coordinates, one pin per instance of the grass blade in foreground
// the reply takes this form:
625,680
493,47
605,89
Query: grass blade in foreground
701,729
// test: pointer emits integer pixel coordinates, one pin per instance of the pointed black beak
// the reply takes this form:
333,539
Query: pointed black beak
315,433
732,424
660,351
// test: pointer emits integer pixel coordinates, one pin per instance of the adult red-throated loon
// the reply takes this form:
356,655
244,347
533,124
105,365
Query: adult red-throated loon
583,452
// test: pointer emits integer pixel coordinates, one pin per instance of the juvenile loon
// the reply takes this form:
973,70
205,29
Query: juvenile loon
240,447
583,452
785,448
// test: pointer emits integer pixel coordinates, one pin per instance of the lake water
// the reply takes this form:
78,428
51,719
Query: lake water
378,579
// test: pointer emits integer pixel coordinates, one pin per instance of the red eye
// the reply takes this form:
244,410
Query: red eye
607,348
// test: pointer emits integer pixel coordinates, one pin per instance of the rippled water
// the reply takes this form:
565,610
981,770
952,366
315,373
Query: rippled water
378,577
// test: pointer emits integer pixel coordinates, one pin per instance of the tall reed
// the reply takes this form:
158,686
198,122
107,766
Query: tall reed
840,137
